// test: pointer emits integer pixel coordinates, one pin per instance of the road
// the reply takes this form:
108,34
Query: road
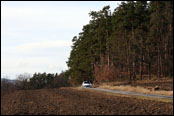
132,93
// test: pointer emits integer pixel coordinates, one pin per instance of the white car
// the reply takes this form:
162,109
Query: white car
87,84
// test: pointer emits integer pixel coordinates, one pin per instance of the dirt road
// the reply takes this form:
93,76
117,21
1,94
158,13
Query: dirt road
74,102
132,93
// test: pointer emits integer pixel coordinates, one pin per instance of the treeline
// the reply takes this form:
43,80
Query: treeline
133,42
44,80
37,81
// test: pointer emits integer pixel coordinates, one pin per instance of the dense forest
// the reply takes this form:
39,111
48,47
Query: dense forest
133,42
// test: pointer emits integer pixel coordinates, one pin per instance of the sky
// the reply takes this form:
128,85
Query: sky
36,36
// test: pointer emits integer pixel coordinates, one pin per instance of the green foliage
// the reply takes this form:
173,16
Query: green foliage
137,38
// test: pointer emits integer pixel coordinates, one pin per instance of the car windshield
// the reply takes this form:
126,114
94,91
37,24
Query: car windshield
86,82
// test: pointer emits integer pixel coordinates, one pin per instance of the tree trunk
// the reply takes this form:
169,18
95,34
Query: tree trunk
127,59
107,45
127,55
134,73
149,70
141,67
129,72
166,61
161,66
141,63
158,64
108,60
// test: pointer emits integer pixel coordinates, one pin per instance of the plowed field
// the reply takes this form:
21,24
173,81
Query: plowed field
71,101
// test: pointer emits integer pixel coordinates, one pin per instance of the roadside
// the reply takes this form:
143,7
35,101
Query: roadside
138,89
133,93
161,86
155,89
119,93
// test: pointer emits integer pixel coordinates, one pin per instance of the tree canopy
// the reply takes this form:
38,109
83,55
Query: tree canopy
133,41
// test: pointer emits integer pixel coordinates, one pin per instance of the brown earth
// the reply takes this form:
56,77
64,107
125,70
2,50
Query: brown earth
72,101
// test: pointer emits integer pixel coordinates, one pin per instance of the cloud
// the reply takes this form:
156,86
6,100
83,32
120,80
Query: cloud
45,16
46,56
36,36
32,64
23,24
42,45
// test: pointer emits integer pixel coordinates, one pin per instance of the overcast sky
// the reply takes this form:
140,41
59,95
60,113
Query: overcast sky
36,35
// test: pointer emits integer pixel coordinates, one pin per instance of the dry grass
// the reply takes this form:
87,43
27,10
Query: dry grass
136,89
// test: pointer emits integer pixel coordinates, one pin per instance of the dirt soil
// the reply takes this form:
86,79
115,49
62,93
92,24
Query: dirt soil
75,102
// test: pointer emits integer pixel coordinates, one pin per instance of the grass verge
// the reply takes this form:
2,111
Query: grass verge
136,89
